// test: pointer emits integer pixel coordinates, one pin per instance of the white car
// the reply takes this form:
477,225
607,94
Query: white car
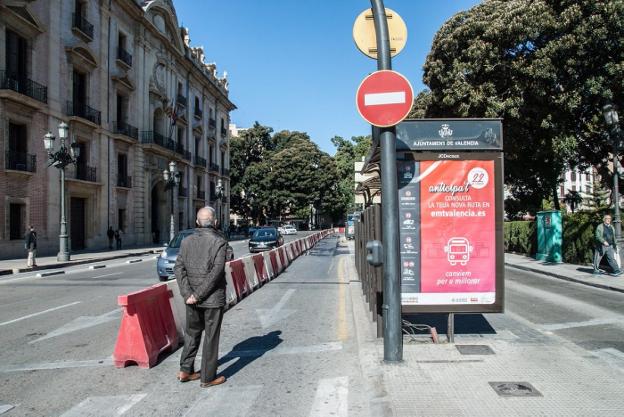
289,229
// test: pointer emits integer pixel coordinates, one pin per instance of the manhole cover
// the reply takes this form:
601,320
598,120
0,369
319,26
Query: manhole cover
474,349
515,389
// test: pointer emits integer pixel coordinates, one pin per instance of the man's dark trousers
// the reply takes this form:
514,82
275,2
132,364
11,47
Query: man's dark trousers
200,319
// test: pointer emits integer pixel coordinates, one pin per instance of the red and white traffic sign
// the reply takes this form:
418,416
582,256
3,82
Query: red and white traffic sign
384,98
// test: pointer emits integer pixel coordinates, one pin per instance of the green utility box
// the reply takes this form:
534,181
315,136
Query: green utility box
549,236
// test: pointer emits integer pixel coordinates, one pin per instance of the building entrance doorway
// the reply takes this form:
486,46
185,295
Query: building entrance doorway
77,223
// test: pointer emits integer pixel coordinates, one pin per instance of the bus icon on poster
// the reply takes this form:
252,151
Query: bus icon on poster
458,251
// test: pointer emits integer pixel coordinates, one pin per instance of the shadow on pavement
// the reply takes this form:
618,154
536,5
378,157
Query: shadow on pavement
464,323
248,351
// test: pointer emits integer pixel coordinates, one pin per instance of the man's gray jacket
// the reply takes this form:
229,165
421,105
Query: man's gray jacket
200,268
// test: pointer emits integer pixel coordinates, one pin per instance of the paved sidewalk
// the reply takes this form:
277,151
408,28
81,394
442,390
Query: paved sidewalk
581,274
14,266
498,374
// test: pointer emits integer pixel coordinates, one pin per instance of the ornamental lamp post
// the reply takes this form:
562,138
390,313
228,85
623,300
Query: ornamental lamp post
612,120
172,180
60,159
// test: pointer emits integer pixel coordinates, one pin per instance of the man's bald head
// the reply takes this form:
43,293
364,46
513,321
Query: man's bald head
206,217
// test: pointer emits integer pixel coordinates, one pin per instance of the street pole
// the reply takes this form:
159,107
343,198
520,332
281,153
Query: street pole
393,337
172,219
63,255
617,221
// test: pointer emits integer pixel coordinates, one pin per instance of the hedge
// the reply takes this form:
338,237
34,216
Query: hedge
578,237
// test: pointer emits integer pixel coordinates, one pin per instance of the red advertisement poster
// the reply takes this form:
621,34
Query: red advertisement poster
458,256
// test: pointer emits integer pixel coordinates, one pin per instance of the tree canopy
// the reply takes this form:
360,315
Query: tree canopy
546,67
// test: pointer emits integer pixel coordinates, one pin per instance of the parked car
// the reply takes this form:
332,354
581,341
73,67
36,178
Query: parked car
167,259
265,238
289,229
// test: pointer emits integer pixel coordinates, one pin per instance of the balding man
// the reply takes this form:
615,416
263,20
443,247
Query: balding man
200,272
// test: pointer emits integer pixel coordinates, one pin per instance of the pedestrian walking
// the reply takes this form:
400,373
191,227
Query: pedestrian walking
605,245
30,245
118,236
200,273
110,233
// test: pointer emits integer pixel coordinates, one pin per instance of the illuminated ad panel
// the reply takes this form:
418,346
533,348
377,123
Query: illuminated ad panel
447,232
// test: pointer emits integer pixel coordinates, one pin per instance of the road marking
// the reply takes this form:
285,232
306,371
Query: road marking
104,406
6,407
108,275
612,356
341,328
332,395
269,317
57,365
225,401
573,324
80,323
380,99
40,313
49,274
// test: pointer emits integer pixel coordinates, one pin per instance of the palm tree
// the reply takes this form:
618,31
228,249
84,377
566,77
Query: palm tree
573,199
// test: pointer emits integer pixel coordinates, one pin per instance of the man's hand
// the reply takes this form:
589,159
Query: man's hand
605,243
191,299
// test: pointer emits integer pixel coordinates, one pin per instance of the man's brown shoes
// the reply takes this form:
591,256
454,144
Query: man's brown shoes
186,377
217,381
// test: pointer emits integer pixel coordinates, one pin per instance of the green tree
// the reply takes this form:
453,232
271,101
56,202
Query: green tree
347,153
546,67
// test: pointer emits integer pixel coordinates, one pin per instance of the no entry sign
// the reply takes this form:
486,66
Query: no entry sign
384,98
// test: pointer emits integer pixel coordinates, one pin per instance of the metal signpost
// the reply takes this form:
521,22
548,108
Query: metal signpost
382,100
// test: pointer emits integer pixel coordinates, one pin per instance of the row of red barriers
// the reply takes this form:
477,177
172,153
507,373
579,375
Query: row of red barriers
153,318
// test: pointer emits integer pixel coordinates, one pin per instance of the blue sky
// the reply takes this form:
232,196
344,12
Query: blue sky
293,64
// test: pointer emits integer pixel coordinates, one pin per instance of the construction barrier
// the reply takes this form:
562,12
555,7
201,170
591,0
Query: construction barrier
147,327
239,280
230,291
253,280
269,265
283,257
261,269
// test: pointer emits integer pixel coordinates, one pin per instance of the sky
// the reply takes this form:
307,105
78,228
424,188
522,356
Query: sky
293,64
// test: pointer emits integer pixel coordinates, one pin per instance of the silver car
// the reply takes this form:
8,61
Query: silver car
167,259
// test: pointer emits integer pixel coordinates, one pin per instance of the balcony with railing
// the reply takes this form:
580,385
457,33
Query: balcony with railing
151,137
198,113
212,123
182,191
225,172
85,172
124,56
123,128
79,22
84,111
200,161
23,85
181,100
21,161
124,181
224,132
214,167
201,195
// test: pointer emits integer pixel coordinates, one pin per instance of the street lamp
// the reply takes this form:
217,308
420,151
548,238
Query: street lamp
60,159
219,196
172,180
612,121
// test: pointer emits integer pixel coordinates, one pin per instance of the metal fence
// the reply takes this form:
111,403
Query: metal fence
368,228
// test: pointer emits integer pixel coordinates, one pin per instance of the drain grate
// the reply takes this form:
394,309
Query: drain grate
515,389
474,349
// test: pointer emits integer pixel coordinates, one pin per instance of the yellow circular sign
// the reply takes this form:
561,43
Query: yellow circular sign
365,37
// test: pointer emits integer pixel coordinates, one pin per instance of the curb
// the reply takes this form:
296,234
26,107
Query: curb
48,274
97,266
81,262
565,278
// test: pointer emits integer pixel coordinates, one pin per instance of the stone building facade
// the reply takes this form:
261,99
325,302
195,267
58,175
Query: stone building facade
135,94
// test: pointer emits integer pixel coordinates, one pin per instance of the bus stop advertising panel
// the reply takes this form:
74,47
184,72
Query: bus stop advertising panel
451,212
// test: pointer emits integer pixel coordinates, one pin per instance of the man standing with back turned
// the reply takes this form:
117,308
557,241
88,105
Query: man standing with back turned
200,272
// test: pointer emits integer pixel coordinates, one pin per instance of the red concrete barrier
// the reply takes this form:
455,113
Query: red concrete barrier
283,257
238,278
275,264
261,270
147,327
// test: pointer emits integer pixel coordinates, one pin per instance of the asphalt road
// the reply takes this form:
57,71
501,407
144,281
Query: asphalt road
289,349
